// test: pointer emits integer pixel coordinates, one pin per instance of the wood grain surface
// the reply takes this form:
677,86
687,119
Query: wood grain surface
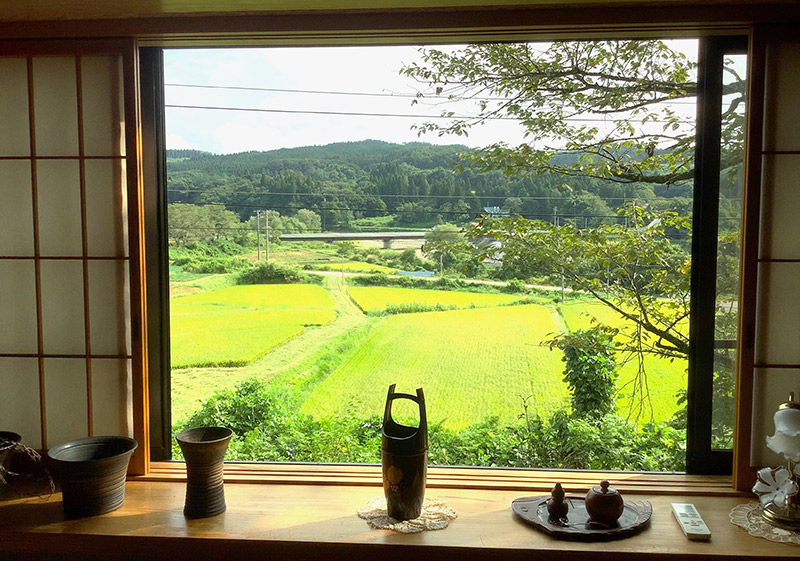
319,521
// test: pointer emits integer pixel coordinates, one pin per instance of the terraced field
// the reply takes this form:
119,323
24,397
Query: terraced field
236,325
473,364
372,298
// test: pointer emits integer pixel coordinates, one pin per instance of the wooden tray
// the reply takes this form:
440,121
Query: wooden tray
533,510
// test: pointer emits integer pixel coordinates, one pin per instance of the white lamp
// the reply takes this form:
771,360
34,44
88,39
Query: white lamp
778,488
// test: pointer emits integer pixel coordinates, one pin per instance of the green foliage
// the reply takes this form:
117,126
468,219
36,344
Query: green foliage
275,273
544,86
212,265
634,269
268,427
190,223
590,370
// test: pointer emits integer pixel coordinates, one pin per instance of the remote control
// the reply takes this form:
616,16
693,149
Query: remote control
690,522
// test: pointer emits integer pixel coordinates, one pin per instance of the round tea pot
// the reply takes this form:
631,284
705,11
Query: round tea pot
604,504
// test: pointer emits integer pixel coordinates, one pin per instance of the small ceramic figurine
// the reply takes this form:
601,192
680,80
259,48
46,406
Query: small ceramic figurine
604,504
556,506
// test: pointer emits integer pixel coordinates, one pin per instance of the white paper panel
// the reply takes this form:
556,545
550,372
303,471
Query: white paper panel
17,307
16,208
19,400
106,224
102,105
780,227
15,140
782,120
112,397
66,400
59,188
62,307
778,314
108,307
771,388
55,104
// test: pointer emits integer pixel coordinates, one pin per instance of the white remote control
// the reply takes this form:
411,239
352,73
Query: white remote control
690,522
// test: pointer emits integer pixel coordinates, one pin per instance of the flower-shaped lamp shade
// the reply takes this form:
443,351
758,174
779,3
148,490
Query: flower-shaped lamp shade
786,439
775,485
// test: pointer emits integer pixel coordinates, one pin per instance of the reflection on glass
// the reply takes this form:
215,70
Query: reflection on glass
730,219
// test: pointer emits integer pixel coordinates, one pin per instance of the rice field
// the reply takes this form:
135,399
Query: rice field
354,267
236,325
372,298
472,364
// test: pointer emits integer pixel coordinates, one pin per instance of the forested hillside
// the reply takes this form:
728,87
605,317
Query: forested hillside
397,185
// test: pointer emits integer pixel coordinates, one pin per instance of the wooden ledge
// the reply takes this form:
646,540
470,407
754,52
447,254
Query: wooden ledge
302,521
508,479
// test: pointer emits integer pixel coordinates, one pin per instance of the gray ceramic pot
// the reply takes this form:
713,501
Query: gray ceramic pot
92,472
204,451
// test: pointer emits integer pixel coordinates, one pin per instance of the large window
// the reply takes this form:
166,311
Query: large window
315,356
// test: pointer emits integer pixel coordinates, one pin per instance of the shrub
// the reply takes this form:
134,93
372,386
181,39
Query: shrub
212,266
273,273
590,369
268,427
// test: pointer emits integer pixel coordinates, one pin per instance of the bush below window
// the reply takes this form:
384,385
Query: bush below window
269,428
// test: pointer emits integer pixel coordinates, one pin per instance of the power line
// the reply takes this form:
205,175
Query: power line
418,196
400,115
361,94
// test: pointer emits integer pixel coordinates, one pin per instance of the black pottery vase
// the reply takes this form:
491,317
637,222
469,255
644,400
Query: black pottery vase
92,472
404,458
204,451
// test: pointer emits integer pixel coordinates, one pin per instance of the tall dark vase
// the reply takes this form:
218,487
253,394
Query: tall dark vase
204,451
404,459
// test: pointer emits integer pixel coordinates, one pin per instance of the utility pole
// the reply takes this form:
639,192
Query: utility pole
258,234
266,236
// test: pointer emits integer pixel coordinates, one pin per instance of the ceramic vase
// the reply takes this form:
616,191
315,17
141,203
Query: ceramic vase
204,451
92,472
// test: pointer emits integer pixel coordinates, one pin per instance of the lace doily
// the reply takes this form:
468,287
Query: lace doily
436,515
748,516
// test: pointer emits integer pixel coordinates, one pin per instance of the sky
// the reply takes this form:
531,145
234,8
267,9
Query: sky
337,70
372,70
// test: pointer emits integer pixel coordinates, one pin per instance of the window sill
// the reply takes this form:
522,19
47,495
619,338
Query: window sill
509,479
302,520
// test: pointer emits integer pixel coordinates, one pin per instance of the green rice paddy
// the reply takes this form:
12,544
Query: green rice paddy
482,360
371,298
472,364
236,325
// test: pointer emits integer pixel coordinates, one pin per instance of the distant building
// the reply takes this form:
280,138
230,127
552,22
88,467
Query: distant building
495,211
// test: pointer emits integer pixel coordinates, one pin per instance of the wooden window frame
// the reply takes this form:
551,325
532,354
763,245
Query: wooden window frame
702,460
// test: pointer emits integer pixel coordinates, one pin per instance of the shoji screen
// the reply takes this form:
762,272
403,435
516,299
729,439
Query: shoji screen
777,313
67,339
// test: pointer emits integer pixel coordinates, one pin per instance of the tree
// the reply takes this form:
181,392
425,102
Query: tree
605,110
558,93
189,223
441,244
590,370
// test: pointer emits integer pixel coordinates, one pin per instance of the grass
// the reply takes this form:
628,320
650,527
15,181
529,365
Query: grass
664,377
472,364
236,325
373,298
355,267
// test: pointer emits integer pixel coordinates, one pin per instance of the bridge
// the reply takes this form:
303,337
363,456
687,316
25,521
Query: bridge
386,237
